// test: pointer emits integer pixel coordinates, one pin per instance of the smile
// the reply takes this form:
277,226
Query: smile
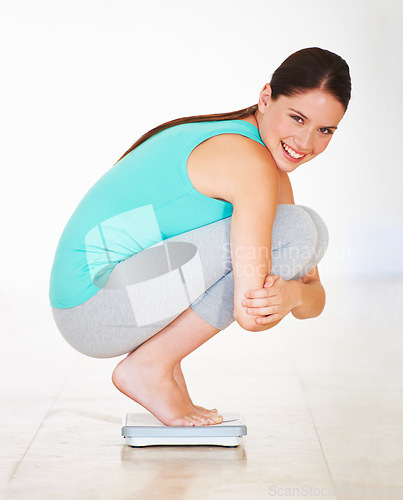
291,152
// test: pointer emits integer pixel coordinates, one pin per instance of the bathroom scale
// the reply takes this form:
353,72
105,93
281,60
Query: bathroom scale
143,429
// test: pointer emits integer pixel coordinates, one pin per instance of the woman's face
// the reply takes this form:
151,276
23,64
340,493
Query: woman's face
296,129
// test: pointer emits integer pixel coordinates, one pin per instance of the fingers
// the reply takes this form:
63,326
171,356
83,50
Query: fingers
266,303
261,293
270,280
260,307
265,320
262,311
265,291
259,302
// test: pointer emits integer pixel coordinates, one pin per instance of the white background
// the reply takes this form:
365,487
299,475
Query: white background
81,80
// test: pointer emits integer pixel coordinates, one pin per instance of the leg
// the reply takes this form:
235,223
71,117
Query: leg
299,241
109,328
146,375
115,321
322,240
134,304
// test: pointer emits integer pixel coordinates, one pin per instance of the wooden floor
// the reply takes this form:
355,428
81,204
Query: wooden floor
322,400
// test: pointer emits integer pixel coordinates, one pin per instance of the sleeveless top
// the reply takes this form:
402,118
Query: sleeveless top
143,199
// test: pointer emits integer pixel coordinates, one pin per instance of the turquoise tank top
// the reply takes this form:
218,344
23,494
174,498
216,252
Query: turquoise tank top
143,199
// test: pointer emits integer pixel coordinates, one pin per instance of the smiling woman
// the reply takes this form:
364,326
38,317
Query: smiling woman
297,128
195,227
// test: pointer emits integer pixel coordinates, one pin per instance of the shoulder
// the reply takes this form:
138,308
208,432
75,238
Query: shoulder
233,144
230,165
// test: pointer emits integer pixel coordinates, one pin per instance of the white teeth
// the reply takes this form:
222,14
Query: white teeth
290,151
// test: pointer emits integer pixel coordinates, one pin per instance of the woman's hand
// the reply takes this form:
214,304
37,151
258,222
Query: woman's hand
272,302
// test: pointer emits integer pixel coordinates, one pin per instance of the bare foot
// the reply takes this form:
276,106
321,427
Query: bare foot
154,387
180,379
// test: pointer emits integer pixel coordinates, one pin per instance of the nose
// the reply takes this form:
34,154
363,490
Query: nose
304,141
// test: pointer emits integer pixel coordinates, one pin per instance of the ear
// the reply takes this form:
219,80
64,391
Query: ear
264,98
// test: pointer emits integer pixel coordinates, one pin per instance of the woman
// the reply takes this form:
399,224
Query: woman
162,252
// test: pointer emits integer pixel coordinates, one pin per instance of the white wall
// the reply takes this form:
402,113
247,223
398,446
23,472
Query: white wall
81,80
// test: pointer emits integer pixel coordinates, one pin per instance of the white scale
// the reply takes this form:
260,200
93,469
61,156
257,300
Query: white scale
143,429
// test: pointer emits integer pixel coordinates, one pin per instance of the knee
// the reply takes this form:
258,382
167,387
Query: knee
293,226
294,241
320,226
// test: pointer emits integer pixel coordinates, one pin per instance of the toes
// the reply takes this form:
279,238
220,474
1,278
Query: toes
205,411
217,419
197,420
192,421
204,420
212,419
187,423
200,420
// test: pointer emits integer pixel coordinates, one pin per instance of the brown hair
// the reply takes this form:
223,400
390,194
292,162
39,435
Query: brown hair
310,69
306,69
191,119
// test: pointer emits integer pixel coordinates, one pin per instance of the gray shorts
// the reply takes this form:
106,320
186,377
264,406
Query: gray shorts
153,287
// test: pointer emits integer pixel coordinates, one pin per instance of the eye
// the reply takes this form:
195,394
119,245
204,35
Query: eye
297,118
325,131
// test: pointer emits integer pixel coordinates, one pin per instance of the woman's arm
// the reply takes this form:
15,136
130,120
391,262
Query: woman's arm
304,298
246,175
268,306
251,227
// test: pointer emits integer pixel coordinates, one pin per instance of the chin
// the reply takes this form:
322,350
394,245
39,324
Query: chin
287,168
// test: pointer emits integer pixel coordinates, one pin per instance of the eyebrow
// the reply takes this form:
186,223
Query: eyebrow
306,118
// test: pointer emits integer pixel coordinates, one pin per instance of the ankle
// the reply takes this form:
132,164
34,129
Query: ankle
149,355
140,360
